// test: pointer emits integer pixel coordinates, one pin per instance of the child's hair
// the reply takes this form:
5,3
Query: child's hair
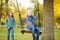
28,9
9,12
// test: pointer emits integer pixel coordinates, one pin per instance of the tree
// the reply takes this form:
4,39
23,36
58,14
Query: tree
56,13
36,6
48,21
0,11
6,5
3,4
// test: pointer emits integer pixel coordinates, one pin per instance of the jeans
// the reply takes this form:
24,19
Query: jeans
10,30
35,29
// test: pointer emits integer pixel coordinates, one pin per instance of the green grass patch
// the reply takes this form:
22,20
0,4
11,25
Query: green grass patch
19,36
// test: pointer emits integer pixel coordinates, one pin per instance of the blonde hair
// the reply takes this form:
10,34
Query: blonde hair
28,10
9,12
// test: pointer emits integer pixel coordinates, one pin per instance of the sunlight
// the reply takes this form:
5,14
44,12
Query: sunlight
28,3
40,1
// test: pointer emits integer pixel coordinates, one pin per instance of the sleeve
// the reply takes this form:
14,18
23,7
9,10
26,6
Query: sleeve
6,23
23,19
37,17
33,21
14,22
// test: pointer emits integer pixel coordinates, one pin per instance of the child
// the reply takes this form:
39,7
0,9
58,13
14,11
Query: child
10,23
31,24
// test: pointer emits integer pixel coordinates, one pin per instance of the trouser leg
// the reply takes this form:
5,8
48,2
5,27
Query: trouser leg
8,36
12,31
37,33
33,32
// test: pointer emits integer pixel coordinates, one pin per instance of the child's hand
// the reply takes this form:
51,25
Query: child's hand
13,28
38,13
8,27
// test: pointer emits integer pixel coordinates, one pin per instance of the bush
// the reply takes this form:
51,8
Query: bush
2,23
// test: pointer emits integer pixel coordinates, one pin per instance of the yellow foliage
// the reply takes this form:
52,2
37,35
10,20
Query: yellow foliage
56,8
23,12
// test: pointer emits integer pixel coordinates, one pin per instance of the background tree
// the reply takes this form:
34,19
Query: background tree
0,10
6,5
57,13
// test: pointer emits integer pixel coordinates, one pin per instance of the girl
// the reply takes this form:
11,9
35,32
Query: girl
31,24
10,23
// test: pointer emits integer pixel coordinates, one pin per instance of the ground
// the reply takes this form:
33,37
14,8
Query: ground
19,36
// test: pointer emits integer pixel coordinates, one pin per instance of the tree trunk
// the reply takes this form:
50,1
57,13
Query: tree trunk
0,12
6,6
48,21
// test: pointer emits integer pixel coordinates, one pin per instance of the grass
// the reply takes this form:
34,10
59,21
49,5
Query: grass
19,36
57,35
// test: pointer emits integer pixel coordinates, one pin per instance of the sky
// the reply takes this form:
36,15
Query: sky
28,3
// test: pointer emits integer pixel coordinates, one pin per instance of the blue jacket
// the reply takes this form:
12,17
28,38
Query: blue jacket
31,19
10,22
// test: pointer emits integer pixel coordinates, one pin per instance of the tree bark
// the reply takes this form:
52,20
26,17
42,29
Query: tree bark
0,12
48,21
6,6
